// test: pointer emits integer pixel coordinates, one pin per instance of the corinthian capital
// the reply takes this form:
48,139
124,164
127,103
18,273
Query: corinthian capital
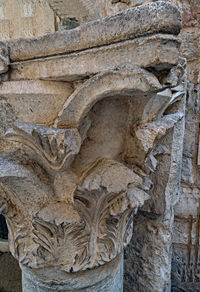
57,217
69,195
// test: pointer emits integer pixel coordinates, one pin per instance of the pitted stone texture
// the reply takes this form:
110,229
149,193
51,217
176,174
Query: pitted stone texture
152,18
147,257
108,279
83,64
191,12
82,196
190,45
185,269
27,101
29,18
10,274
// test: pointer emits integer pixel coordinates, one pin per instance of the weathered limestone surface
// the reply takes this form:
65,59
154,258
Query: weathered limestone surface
27,101
148,258
25,18
185,263
159,17
89,153
10,279
87,209
76,11
103,279
185,259
164,53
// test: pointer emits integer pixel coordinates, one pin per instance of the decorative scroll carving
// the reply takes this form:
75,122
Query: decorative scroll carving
78,218
54,147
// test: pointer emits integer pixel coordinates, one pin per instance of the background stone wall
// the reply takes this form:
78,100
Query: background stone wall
25,18
186,252
185,273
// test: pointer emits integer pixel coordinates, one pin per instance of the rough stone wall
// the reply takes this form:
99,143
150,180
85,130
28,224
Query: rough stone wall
150,228
186,252
32,18
25,18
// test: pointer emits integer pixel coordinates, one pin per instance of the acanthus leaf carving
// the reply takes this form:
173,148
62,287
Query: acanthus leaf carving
100,201
54,147
78,219
60,245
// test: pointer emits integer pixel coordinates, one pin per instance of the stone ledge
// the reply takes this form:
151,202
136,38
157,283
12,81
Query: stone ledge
148,19
164,53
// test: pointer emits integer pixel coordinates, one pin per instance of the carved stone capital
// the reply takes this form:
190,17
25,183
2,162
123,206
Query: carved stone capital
69,192
57,217
72,211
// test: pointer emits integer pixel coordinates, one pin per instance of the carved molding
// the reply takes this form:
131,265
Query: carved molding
107,83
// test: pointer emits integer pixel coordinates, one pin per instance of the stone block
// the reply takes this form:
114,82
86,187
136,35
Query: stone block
25,19
187,170
191,12
160,51
152,18
188,203
26,101
190,43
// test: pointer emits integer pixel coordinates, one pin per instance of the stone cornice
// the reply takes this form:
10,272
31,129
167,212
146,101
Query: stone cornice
159,17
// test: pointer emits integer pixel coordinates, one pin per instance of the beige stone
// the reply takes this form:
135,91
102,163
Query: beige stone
25,18
100,193
87,10
108,82
188,203
89,62
190,45
4,247
28,99
100,149
129,24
